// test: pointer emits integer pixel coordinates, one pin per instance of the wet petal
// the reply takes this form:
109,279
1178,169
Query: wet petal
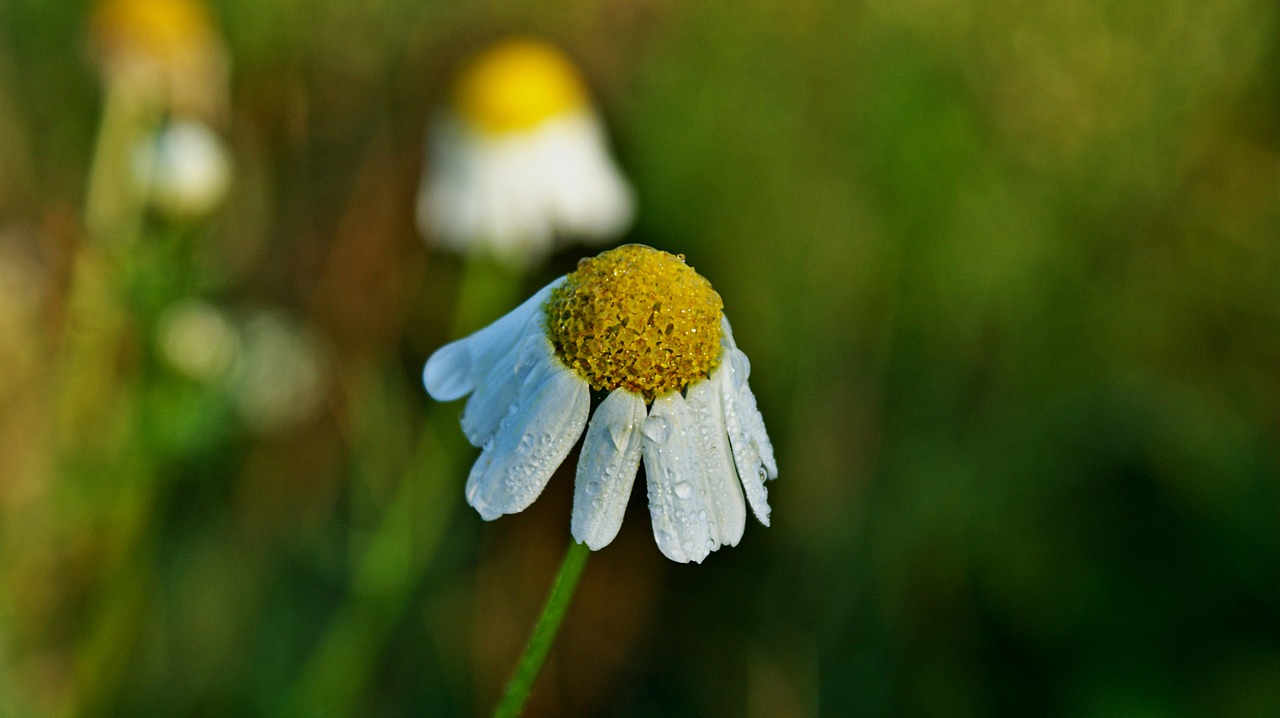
724,493
607,468
753,424
677,491
551,410
752,450
495,395
455,369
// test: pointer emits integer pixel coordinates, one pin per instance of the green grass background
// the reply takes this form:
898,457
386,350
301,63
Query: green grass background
1008,274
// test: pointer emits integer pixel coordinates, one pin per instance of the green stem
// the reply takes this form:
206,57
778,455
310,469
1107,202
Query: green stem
337,673
544,633
488,290
112,207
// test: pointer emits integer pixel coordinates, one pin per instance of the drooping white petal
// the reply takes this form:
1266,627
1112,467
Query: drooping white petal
447,198
607,468
728,511
586,194
753,424
513,194
454,370
677,489
530,442
511,221
752,450
495,395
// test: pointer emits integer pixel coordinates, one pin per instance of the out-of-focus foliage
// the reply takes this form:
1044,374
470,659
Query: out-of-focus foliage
1008,273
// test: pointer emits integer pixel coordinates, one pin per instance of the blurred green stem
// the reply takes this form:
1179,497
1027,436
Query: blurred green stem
409,531
112,207
383,578
487,291
544,632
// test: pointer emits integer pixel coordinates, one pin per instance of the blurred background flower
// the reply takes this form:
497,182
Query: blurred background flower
163,53
164,73
1012,284
518,162
278,378
182,170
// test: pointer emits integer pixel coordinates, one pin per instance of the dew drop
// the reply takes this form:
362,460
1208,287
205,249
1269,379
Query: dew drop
741,367
657,429
684,490
526,359
618,433
592,488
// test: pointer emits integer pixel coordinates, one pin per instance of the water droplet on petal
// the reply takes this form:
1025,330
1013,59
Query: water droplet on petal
657,429
740,366
684,490
592,488
526,360
618,432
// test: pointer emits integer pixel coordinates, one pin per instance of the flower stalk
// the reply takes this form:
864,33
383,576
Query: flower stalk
544,632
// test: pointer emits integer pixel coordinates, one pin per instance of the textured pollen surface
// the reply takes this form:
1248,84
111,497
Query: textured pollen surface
636,318
517,84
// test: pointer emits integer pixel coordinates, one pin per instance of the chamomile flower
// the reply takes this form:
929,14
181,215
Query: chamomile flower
519,160
163,53
182,170
642,329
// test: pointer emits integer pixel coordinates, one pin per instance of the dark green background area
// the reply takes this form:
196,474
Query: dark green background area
1008,275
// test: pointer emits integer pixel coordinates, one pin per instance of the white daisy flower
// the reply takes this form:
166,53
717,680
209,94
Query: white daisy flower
182,170
163,53
520,159
647,332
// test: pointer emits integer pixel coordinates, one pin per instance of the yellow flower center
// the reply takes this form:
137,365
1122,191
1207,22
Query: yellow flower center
638,319
516,85
158,29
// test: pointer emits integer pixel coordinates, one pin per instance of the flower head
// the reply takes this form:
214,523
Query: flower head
642,327
163,53
517,85
519,159
182,170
